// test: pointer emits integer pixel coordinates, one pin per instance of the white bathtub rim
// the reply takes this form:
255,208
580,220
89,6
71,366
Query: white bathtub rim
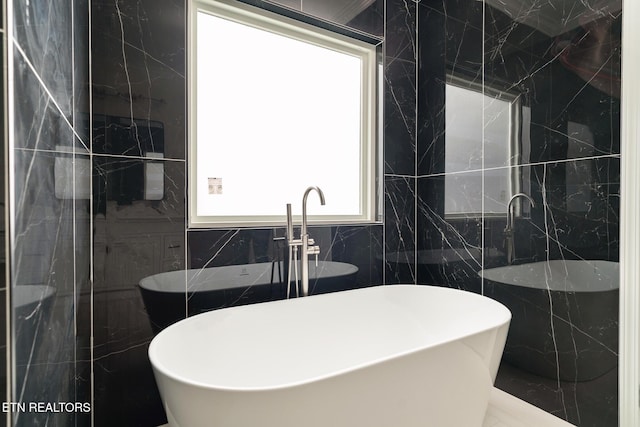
163,370
505,276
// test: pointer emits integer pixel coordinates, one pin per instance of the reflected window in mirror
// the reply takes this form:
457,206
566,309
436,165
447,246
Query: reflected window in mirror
485,128
276,106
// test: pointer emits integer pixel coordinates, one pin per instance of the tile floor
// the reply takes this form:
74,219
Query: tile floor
506,410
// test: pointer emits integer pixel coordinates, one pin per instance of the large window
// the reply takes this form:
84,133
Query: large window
277,106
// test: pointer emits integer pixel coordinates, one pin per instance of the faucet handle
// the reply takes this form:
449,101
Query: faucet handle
314,250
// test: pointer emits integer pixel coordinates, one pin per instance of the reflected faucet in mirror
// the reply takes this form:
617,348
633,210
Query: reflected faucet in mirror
305,243
509,230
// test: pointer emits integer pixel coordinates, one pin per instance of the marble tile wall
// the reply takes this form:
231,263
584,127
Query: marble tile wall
139,95
51,260
139,128
566,156
400,150
560,69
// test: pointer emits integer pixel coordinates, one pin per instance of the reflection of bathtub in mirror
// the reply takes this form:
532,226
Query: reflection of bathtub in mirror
26,298
580,341
217,287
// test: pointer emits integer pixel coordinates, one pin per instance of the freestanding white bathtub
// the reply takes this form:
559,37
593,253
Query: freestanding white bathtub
386,356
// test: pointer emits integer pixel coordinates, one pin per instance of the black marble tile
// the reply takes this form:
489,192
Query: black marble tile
132,191
125,390
579,212
576,213
400,39
580,343
564,333
507,34
458,195
139,89
528,24
369,20
562,347
362,246
83,384
45,225
259,276
449,52
458,10
464,40
570,119
51,253
449,252
138,71
565,71
42,122
260,264
52,97
400,230
215,248
400,118
123,136
458,27
81,85
400,89
500,185
138,234
52,225
431,92
44,36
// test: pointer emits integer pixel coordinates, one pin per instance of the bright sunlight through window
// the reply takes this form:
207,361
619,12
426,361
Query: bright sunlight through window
277,106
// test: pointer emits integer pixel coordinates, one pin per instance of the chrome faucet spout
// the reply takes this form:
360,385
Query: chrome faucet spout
509,229
510,208
303,231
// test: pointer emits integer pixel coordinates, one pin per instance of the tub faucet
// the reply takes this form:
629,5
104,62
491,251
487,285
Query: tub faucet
509,230
305,243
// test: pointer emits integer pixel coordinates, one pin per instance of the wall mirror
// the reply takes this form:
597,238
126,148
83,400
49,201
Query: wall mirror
277,105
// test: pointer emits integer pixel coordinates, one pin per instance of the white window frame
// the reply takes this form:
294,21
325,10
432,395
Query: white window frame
265,20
